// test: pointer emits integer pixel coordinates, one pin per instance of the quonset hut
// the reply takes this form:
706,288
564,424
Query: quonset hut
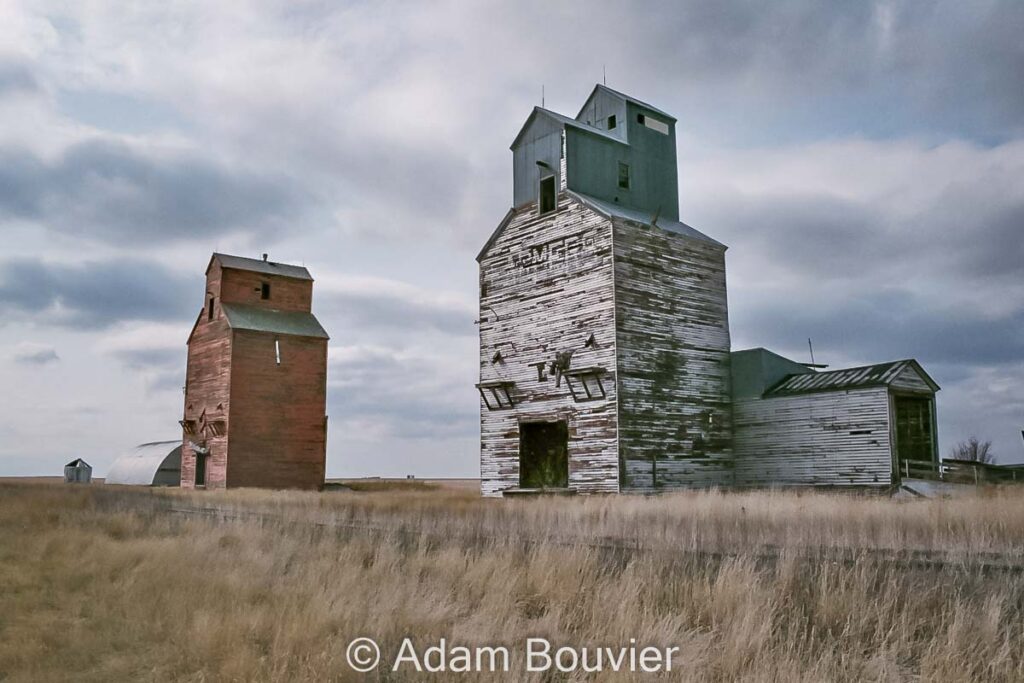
157,463
256,383
604,332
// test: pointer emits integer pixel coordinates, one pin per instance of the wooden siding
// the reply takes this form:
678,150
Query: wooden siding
207,386
545,287
910,380
278,430
672,337
286,294
834,438
541,141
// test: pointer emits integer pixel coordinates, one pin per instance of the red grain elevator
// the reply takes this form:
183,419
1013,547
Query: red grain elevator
256,381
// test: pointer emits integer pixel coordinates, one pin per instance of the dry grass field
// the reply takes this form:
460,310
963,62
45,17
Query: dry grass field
102,583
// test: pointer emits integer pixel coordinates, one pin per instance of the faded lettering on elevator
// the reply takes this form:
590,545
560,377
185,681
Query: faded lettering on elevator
553,251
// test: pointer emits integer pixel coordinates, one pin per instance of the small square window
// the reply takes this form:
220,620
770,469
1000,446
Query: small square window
611,122
623,176
264,290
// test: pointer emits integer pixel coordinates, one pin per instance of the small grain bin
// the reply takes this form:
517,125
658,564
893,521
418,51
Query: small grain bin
77,472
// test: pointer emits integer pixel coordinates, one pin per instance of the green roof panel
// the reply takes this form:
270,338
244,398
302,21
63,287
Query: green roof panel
259,319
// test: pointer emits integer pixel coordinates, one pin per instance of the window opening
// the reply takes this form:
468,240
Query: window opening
547,194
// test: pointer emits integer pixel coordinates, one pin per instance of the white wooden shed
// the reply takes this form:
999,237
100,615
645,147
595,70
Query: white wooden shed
853,427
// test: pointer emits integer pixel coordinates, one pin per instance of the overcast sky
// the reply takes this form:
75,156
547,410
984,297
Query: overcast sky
863,161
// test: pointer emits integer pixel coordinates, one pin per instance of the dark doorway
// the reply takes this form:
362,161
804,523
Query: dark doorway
915,439
200,470
547,194
543,455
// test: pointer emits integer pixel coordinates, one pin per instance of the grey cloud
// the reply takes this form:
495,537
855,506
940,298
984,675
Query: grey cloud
17,78
406,398
93,294
875,66
815,234
362,310
149,358
112,192
161,368
971,235
42,355
167,380
886,324
975,231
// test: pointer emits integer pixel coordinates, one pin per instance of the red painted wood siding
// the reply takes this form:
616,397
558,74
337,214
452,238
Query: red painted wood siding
277,437
207,386
286,294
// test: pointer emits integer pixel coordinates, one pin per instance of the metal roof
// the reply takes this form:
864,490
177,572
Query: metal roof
627,98
617,211
157,463
259,319
881,374
565,121
260,266
754,370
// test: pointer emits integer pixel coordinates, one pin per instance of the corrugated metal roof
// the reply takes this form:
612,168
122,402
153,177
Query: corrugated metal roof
565,121
259,319
260,266
880,374
157,463
617,211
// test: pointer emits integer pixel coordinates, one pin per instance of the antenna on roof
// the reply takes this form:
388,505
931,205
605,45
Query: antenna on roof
812,365
604,74
542,96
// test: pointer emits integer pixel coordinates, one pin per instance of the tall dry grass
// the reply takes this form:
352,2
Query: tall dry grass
101,583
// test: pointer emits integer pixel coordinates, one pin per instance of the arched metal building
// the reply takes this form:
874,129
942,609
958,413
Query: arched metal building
150,464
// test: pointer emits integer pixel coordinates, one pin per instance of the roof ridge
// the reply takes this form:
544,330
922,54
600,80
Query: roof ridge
565,121
235,262
611,210
627,98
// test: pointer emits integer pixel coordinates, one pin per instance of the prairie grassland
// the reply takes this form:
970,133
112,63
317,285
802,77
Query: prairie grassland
108,583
